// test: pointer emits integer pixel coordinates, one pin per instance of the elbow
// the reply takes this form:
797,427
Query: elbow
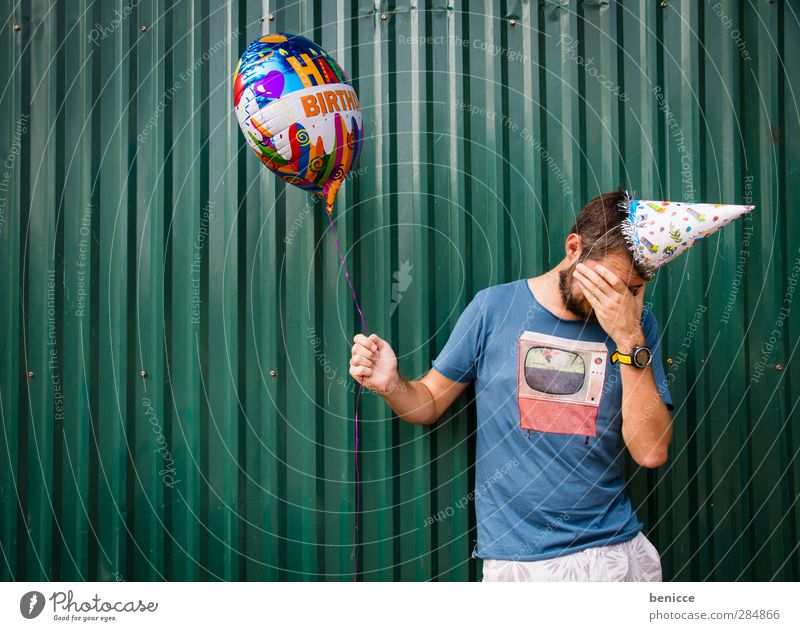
420,419
653,459
433,417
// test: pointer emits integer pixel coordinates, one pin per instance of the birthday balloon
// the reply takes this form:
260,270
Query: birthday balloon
298,112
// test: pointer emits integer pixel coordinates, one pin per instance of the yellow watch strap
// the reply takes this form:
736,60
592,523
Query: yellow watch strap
622,359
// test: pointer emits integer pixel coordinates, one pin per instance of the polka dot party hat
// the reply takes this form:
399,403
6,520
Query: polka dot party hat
658,231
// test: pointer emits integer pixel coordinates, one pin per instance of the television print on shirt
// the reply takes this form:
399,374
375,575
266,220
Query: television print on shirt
559,384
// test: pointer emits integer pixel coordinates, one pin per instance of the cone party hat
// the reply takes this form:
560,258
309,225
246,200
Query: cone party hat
658,231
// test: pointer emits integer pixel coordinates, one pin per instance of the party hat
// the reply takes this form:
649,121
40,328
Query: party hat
658,231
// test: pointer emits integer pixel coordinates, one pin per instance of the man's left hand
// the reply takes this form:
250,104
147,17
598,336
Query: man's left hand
617,309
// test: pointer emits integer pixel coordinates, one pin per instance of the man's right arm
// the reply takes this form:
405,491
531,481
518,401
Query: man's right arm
420,402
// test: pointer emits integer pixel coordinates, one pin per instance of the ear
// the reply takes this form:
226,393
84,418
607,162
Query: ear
573,247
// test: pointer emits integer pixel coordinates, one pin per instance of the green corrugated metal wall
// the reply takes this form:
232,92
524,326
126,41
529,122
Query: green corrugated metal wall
139,234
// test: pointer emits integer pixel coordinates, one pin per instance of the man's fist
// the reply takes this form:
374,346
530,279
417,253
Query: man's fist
375,361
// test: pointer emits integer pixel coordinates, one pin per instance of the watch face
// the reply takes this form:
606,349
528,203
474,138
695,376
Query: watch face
641,356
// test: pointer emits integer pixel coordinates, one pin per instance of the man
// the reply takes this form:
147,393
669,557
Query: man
567,369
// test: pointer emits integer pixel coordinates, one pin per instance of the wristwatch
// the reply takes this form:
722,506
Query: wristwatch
640,357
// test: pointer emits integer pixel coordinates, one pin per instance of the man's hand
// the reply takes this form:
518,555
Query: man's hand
618,311
419,402
375,361
646,421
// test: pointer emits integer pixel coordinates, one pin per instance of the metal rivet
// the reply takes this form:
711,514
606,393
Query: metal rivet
30,374
384,16
778,367
669,361
17,28
143,28
512,21
271,17
273,373
664,4
143,374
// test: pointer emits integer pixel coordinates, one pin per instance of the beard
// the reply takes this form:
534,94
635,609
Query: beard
576,306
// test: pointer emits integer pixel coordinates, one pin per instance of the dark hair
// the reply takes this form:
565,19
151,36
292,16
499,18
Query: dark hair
599,226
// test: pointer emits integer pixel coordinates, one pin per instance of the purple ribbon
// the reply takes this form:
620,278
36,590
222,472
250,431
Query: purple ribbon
360,385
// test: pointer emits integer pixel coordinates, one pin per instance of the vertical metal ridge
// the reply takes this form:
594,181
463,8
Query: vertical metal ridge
791,117
11,378
40,228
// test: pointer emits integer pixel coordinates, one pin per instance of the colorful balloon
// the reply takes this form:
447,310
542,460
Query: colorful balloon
298,112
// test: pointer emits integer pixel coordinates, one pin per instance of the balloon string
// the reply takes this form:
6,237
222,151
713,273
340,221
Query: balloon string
360,385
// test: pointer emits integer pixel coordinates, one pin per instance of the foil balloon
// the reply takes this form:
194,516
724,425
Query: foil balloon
298,112
301,117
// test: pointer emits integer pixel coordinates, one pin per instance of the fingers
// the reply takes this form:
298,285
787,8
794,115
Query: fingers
360,371
360,367
360,360
359,351
603,286
369,343
595,304
590,289
611,278
364,346
362,339
364,354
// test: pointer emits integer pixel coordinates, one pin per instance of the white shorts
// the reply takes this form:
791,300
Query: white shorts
634,560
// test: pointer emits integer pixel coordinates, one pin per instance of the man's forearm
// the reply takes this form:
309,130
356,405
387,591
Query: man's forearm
646,421
411,401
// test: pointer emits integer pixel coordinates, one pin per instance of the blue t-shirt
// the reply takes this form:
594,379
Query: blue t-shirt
548,471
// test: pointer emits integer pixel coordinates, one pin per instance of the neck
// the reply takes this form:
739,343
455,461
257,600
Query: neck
546,290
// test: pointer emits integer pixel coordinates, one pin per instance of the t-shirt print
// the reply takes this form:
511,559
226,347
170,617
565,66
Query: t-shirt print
560,383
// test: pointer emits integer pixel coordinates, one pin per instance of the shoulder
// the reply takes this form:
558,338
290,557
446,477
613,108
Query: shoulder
494,301
503,292
493,304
